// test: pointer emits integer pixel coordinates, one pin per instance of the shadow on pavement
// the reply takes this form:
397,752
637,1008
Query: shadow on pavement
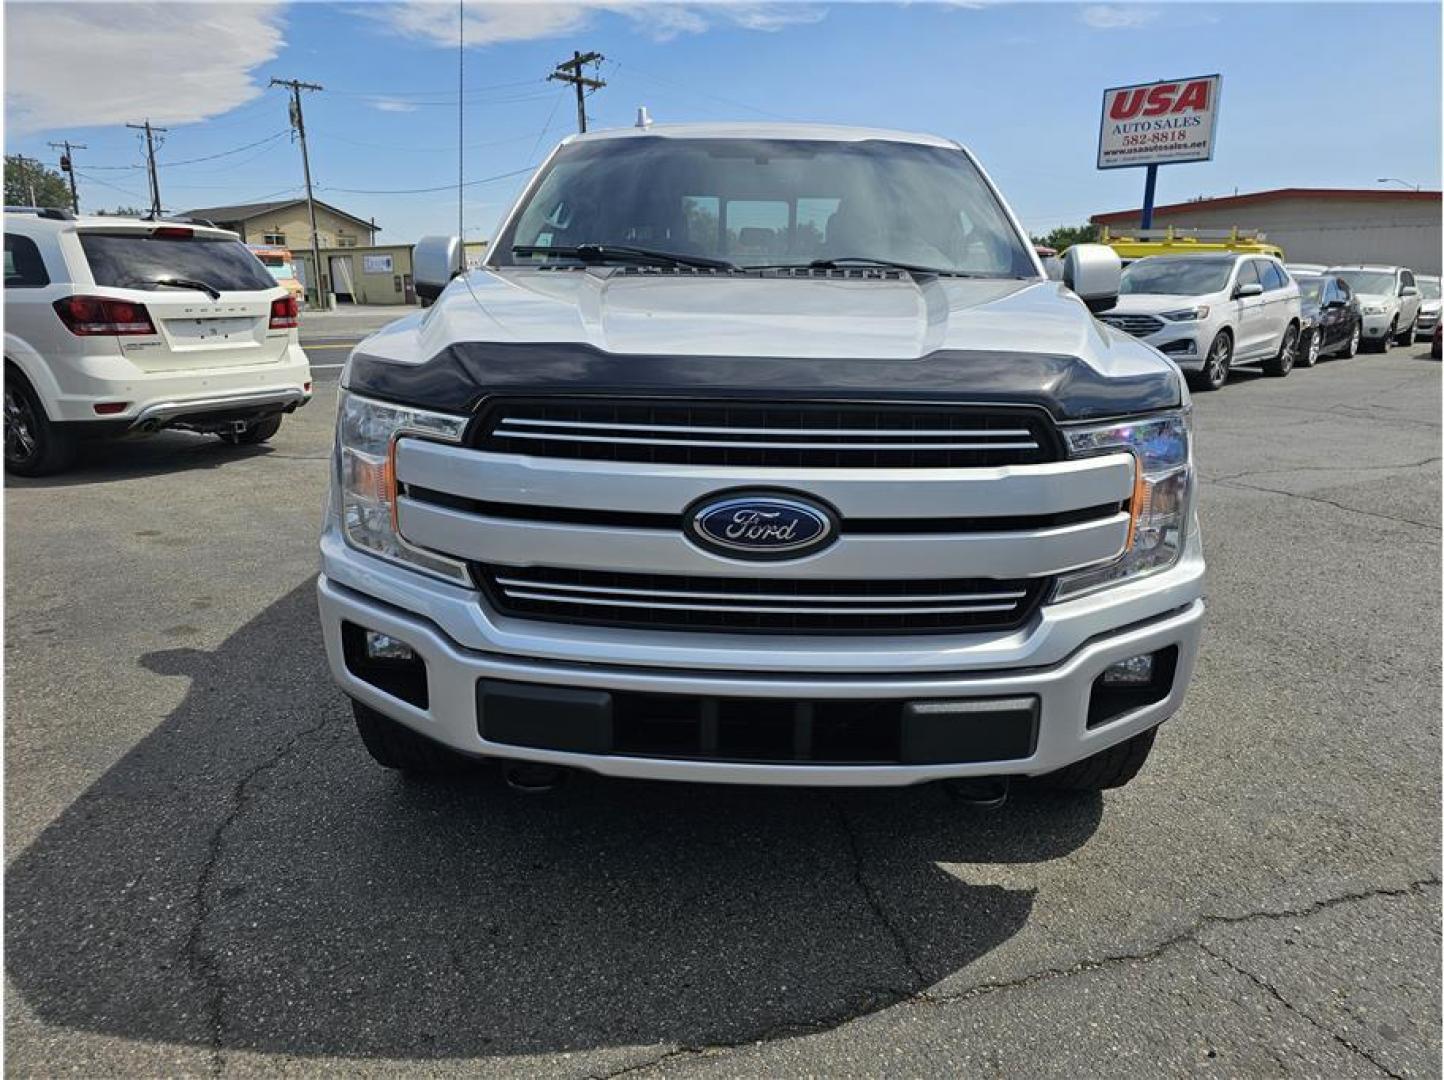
246,878
104,460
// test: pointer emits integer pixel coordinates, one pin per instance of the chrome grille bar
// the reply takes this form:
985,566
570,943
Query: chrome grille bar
737,444
517,583
702,429
760,609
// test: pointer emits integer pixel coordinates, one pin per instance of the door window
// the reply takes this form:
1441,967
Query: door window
1271,276
23,266
1248,273
1406,277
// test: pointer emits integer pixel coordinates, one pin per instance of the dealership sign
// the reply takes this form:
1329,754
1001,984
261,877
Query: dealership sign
1160,123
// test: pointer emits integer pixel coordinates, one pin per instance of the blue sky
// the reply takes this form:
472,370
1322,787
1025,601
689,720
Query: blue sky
1303,104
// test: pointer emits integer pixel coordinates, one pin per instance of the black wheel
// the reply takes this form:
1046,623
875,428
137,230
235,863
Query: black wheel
396,746
1110,768
1406,336
1381,345
1310,355
34,446
1282,363
255,433
1215,364
1352,348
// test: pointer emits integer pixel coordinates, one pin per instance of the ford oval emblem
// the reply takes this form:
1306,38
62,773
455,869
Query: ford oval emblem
746,526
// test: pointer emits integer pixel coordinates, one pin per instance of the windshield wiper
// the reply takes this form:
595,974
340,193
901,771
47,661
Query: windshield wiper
601,253
184,283
843,261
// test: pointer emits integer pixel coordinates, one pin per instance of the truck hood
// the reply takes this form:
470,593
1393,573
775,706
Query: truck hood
826,333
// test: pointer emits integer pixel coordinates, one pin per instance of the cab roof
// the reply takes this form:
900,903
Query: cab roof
818,132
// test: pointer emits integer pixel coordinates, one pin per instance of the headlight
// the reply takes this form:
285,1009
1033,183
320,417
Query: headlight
1162,496
1187,314
1374,309
366,434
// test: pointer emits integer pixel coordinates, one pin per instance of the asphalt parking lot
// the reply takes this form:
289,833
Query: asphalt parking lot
206,874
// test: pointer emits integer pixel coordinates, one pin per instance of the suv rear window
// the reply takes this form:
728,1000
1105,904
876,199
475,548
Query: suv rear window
137,261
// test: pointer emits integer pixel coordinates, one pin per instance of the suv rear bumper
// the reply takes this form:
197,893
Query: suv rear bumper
165,396
1062,689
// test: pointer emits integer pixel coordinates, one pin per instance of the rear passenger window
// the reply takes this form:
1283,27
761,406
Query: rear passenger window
23,266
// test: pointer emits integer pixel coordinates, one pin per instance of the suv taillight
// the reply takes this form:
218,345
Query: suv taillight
88,316
284,311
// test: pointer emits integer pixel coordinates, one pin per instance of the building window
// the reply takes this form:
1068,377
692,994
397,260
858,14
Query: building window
345,241
277,239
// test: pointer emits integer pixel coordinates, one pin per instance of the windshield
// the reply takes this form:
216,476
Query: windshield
1311,288
1179,277
281,271
1429,288
1378,282
760,202
139,261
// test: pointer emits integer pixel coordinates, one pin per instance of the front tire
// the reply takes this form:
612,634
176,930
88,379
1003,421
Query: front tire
1215,365
1406,336
1355,336
255,434
393,745
1283,362
34,444
1109,768
1311,354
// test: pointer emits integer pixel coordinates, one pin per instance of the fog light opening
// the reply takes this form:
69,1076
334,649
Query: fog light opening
1130,684
385,662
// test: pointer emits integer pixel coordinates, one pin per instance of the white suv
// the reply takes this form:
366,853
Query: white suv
1211,313
1389,301
118,326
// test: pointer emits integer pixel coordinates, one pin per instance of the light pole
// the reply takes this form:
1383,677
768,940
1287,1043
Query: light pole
1396,180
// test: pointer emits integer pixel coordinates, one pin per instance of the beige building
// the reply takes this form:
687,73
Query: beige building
287,224
368,274
1318,225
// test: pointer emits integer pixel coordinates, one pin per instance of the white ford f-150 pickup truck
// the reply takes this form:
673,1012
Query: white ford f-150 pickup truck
764,454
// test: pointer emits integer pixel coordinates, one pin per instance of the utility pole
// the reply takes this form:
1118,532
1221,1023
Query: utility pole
570,71
150,133
298,122
27,169
67,166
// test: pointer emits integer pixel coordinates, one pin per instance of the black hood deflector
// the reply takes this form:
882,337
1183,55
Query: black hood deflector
460,377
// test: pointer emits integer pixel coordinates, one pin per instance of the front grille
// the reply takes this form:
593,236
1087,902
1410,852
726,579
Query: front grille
768,435
742,605
1137,325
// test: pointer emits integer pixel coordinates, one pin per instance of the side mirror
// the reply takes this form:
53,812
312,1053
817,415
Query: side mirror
434,262
1248,288
1094,273
1408,290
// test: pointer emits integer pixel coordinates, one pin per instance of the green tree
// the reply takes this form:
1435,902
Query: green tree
123,211
1065,236
29,183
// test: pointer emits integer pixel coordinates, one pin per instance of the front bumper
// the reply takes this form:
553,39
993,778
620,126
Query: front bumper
1056,659
1377,326
1425,324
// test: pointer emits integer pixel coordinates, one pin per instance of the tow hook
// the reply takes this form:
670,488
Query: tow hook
533,778
981,792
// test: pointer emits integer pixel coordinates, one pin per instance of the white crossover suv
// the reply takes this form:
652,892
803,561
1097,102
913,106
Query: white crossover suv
122,326
1429,306
1389,301
1212,313
763,454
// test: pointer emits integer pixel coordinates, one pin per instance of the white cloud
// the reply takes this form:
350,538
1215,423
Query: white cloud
491,23
78,64
1117,16
392,105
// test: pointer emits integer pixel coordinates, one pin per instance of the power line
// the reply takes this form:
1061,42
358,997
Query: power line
570,71
461,127
426,190
194,161
474,91
298,122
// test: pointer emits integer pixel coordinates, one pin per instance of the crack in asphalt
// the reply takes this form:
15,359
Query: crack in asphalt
1320,468
1330,502
1268,988
874,902
923,998
197,961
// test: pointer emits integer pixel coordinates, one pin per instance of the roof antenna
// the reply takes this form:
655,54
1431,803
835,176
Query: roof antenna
644,120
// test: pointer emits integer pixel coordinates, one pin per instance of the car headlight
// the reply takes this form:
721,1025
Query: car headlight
365,478
1187,314
1374,309
1162,447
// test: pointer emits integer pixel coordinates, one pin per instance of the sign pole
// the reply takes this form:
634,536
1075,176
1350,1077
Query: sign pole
1150,181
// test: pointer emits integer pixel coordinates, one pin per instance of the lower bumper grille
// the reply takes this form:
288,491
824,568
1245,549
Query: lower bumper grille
1137,325
742,605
